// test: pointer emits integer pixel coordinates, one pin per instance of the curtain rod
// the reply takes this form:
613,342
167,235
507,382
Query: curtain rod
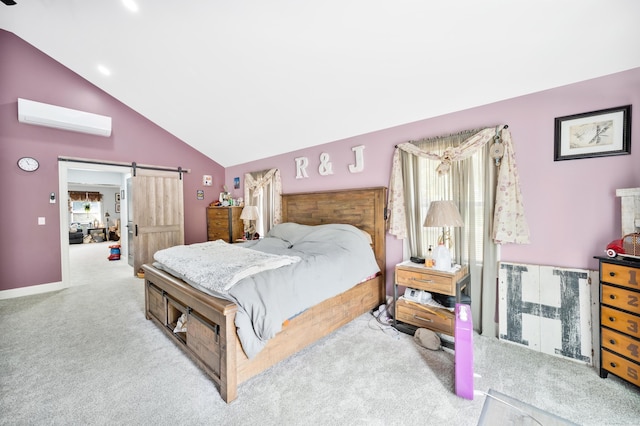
132,165
506,126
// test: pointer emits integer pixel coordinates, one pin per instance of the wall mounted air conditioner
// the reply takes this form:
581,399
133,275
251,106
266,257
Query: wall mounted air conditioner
40,114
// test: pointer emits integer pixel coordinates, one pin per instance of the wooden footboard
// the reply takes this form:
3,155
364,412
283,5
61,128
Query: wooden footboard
211,340
211,337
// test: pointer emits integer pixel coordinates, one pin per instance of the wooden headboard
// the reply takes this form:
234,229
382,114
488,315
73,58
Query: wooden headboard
363,208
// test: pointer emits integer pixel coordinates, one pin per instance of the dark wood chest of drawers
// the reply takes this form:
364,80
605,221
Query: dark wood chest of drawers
224,223
620,318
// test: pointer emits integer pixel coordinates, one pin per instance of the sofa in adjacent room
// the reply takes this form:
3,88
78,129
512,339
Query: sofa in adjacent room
76,236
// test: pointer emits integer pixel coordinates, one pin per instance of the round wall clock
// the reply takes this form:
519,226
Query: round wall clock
28,164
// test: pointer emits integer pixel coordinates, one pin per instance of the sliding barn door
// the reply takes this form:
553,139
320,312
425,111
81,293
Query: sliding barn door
158,214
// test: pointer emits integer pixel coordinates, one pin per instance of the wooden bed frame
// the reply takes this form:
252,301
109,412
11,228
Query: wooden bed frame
211,340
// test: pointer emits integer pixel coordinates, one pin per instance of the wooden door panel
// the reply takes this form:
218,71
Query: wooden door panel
158,213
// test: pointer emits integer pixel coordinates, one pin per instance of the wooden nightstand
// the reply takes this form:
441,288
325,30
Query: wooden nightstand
409,315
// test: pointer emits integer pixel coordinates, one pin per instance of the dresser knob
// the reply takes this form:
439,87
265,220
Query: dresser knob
612,319
612,274
613,364
612,296
613,342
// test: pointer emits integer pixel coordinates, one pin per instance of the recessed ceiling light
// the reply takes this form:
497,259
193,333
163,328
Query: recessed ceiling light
104,70
131,5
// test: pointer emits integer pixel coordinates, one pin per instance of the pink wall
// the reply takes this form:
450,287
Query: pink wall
571,205
31,253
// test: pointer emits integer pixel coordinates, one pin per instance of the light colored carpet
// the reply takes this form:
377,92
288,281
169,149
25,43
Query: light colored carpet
86,355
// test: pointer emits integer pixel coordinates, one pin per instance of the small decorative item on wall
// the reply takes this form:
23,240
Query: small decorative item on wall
117,207
593,134
236,182
117,197
200,194
207,180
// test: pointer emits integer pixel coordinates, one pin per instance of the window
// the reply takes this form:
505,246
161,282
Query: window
86,212
263,189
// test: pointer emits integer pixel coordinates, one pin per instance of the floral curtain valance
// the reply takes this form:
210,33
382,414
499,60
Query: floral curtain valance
509,222
85,196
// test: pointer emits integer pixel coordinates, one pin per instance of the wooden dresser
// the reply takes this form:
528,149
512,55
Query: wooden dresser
620,318
224,223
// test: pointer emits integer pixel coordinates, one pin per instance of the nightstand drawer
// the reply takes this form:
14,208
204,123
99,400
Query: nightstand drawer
621,275
620,298
621,321
435,319
426,281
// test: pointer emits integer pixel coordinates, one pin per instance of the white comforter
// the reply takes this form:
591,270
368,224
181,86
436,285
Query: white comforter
217,265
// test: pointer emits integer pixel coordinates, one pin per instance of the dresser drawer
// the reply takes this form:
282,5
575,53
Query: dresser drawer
620,298
621,275
426,281
219,223
435,319
621,344
621,367
621,321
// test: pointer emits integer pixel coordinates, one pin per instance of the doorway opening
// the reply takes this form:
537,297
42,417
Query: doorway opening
108,180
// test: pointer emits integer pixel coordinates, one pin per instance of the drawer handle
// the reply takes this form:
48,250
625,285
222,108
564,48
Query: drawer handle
612,341
613,364
422,319
421,281
612,274
612,319
612,296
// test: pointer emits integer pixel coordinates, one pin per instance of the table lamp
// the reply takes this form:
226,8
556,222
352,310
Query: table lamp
248,215
442,214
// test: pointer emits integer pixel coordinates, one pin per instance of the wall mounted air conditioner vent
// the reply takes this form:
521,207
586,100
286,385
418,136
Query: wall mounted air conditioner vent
40,114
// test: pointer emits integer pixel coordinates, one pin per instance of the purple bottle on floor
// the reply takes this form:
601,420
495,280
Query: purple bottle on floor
464,351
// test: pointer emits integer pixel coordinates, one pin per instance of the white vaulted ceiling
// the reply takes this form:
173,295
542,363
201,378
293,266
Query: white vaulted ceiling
242,80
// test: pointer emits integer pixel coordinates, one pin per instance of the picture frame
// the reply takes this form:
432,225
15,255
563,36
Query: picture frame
599,133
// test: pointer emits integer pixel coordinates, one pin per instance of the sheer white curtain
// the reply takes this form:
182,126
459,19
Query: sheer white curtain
264,190
460,168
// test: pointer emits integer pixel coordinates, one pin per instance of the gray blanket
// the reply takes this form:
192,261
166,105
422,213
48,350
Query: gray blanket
333,258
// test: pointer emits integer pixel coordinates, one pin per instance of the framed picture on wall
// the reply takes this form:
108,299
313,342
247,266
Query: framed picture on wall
593,134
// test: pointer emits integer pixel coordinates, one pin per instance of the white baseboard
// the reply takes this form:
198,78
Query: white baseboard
31,290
